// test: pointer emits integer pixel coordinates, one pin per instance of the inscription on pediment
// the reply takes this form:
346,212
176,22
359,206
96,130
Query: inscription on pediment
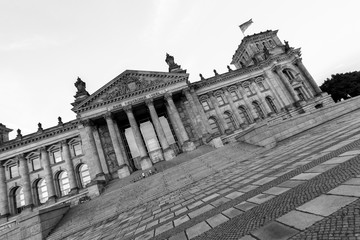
130,84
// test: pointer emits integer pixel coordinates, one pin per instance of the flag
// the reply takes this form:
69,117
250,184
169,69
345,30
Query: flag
245,25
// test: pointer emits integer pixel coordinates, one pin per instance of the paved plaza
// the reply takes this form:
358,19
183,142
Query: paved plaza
307,187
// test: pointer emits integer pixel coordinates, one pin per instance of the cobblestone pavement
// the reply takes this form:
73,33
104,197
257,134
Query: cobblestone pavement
308,187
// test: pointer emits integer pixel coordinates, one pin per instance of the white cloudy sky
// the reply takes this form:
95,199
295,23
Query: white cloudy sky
46,44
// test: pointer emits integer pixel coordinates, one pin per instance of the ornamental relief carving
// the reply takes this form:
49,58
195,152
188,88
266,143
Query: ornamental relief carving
130,84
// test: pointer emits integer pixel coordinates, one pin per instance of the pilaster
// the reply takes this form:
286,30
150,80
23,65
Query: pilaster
65,150
44,155
308,76
25,179
233,108
287,84
219,114
4,204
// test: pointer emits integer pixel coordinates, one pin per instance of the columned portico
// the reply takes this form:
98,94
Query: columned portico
145,161
233,108
91,152
308,76
44,155
123,170
187,145
69,165
4,205
287,84
25,179
167,151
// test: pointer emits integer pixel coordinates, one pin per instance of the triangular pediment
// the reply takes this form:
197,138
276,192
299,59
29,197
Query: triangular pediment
129,84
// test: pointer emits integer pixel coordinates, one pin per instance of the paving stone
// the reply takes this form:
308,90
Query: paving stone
225,190
163,219
263,181
277,190
353,181
180,211
325,205
299,220
234,195
200,211
350,153
305,176
210,197
347,190
291,183
195,204
163,228
181,220
197,229
179,236
216,220
248,188
145,236
247,237
149,225
260,198
337,160
232,212
245,206
274,231
321,168
219,201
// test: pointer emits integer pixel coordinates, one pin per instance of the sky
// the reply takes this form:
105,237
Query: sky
45,44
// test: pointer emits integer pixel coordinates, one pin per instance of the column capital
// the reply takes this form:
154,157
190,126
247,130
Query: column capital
108,115
128,108
277,69
225,90
63,142
149,101
298,60
186,90
42,149
20,156
168,95
86,122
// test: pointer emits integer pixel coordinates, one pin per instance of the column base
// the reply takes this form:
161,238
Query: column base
229,131
27,208
169,154
95,188
100,177
188,146
156,156
145,163
74,191
51,200
215,142
123,171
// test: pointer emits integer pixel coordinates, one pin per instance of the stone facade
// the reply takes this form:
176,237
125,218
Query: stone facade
141,118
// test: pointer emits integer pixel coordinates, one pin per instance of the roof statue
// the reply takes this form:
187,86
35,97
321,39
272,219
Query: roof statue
173,67
266,52
287,47
81,92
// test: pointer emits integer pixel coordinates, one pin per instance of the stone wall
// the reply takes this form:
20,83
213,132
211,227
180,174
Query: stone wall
263,134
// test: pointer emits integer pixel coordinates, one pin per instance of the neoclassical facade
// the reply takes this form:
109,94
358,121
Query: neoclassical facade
141,118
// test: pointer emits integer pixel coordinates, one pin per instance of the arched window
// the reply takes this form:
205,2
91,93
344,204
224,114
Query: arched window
271,43
214,125
288,74
84,175
258,109
17,200
40,191
220,100
271,104
229,120
244,114
63,183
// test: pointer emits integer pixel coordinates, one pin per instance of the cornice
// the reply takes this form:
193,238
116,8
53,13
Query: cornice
35,137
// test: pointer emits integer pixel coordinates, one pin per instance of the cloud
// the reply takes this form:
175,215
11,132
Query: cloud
32,43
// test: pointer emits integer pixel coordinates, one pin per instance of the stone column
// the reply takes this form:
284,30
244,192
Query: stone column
308,76
174,125
123,170
167,151
198,117
187,145
4,204
287,84
219,113
233,108
248,105
274,92
25,179
65,151
44,156
262,99
200,109
91,152
145,161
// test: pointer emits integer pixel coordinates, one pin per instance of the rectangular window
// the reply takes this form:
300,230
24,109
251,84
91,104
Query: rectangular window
234,96
248,91
220,100
57,156
36,165
13,170
205,105
77,149
261,86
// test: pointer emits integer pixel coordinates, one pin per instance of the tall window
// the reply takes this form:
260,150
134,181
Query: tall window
57,156
288,74
234,95
258,109
248,91
42,192
13,171
244,114
63,183
84,175
205,105
220,100
35,163
77,149
271,104
229,120
214,126
261,86
300,94
17,200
